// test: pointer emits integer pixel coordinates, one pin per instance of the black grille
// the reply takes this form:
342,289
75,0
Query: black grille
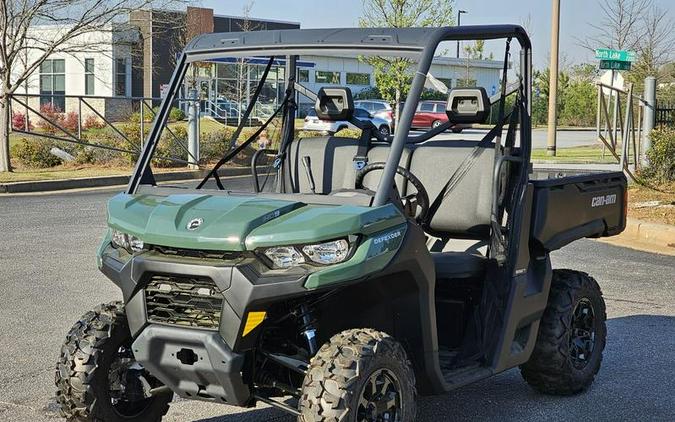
195,253
184,301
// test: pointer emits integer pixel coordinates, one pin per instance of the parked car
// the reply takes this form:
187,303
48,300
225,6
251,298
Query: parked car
378,108
312,122
431,114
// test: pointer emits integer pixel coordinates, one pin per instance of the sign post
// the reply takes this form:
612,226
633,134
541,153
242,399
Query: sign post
614,60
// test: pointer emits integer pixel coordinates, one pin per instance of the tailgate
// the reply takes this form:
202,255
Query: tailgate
573,207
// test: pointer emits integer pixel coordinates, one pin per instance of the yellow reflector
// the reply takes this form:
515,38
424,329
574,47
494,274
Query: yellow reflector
253,320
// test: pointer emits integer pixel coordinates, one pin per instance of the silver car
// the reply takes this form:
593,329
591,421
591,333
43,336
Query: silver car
312,122
378,108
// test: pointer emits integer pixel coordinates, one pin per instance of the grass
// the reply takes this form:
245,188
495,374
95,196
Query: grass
577,155
62,172
664,193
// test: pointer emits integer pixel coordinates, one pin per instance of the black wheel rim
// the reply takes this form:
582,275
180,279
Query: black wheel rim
125,384
380,399
582,335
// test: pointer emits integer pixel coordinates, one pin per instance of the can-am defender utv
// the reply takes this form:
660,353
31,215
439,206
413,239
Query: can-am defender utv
372,270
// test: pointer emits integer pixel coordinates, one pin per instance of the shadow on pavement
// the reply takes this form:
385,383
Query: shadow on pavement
635,382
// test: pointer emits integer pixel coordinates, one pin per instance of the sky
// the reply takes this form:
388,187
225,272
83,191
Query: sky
575,15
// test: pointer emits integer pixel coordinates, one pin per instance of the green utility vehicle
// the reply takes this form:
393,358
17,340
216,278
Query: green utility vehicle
358,272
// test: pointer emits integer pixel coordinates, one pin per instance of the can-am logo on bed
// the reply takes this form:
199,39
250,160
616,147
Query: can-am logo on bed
600,201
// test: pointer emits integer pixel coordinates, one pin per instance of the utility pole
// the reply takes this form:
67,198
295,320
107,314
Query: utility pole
649,118
459,23
553,79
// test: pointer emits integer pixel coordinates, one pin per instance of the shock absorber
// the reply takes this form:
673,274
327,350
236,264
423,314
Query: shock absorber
307,328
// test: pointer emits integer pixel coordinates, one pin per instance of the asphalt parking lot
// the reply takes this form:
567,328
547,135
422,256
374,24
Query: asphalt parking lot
49,278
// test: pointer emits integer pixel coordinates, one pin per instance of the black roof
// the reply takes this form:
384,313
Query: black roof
396,39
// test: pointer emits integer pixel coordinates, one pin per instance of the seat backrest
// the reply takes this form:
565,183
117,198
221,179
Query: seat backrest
332,161
465,212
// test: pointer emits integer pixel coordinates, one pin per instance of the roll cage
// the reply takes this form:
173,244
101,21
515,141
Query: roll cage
420,42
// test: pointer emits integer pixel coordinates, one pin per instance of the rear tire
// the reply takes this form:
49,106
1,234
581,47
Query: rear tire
384,130
88,357
435,124
572,336
359,374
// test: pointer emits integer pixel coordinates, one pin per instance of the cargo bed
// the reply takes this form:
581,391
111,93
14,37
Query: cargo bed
567,207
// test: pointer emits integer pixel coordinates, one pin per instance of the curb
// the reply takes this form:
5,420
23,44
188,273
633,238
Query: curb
103,181
646,236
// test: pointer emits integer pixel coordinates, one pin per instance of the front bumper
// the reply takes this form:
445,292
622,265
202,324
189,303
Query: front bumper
196,362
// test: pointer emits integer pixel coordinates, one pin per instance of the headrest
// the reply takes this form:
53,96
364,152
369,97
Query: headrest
468,105
334,104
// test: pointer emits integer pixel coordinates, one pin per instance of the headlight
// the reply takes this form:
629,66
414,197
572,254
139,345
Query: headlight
284,256
126,241
328,253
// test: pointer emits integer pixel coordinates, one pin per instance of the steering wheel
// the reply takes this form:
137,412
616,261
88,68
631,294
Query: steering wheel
419,199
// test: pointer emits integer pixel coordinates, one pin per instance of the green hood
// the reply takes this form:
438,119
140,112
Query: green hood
240,222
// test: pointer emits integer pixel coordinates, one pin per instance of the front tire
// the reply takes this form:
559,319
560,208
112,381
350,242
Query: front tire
572,336
97,378
359,375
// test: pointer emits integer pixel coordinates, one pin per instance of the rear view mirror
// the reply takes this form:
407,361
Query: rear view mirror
468,105
334,104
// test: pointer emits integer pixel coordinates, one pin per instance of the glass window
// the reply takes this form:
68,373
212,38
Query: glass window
88,76
359,112
53,83
325,77
358,79
428,107
303,75
121,77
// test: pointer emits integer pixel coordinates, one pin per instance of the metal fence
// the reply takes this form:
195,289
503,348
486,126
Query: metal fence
665,114
29,111
619,124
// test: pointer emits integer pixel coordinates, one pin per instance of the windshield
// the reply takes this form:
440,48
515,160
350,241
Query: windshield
236,119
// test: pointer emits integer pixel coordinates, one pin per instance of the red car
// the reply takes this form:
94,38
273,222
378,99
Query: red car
430,114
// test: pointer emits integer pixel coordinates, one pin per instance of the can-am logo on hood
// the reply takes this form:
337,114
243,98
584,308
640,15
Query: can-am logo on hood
194,224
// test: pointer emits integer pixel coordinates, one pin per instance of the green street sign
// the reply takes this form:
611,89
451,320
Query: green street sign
615,55
614,65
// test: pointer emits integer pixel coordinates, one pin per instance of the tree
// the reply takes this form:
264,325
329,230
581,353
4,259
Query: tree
472,52
655,46
393,74
619,26
72,20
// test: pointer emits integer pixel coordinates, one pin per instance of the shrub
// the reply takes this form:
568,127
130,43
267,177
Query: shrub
349,133
35,153
172,148
92,122
19,122
53,113
661,155
176,114
102,156
70,121
214,145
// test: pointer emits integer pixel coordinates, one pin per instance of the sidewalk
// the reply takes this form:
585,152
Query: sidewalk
646,236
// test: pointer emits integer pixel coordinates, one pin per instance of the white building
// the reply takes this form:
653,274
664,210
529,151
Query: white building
96,64
317,71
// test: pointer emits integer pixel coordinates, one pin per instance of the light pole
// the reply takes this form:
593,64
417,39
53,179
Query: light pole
459,22
553,79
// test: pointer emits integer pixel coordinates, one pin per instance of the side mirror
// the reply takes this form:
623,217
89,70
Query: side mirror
334,104
468,105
